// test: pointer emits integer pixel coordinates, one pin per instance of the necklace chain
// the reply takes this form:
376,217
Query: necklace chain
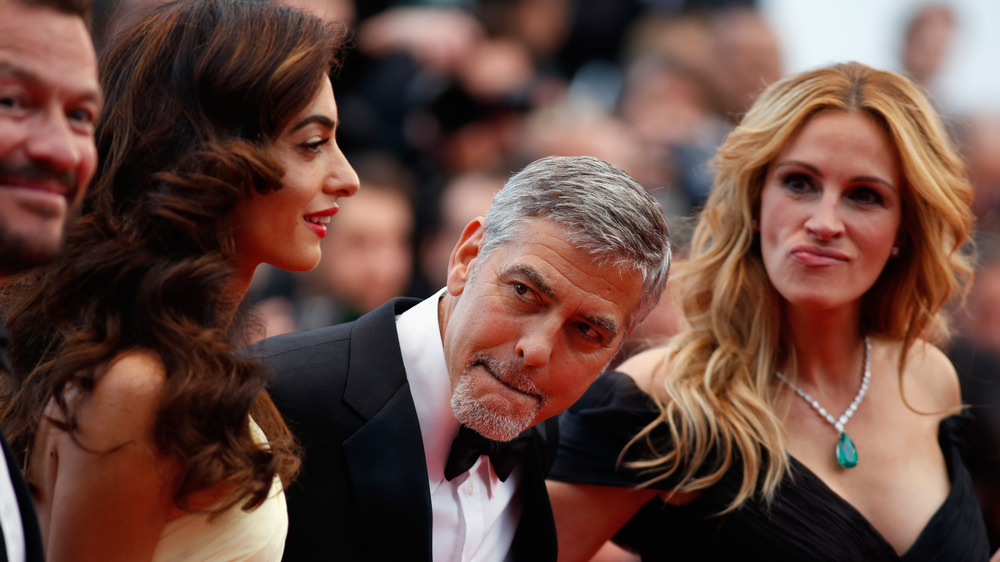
840,422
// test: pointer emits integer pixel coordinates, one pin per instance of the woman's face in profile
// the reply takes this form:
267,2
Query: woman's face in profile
284,228
830,211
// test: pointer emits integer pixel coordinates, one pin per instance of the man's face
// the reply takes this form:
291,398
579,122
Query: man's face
49,101
530,328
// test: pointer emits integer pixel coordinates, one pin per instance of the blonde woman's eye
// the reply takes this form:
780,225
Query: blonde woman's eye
866,196
797,183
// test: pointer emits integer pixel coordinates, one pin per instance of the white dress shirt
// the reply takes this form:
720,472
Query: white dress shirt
10,516
476,514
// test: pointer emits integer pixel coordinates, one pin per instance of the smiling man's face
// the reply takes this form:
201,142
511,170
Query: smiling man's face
529,328
49,103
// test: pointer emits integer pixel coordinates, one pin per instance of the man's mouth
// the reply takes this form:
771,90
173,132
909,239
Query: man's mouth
507,374
40,178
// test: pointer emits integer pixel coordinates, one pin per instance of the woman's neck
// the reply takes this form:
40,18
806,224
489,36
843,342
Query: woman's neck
237,288
829,347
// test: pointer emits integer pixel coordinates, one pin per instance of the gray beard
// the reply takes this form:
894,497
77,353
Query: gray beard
486,422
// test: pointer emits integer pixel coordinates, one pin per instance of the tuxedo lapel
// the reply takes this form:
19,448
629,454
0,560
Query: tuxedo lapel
385,457
387,467
29,521
375,367
535,538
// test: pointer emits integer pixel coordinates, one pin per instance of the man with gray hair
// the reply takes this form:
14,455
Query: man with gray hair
428,427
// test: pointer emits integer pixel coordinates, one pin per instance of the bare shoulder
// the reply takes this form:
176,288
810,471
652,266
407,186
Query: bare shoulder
123,404
642,366
930,380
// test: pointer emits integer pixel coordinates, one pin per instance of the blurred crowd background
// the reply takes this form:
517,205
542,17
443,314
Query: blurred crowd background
440,101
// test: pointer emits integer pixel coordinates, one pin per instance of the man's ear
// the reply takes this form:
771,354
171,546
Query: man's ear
464,256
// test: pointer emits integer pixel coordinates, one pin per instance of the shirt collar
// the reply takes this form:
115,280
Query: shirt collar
427,373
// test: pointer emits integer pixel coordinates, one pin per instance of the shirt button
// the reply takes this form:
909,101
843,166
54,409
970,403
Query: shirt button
471,488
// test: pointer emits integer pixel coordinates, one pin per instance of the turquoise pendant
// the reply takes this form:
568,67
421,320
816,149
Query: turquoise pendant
847,455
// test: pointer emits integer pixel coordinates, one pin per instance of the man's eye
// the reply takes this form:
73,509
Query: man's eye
11,102
81,116
588,331
521,288
82,120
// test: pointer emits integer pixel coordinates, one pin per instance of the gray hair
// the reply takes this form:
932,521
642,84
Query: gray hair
599,207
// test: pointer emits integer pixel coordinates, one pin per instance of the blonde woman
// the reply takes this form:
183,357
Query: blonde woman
802,412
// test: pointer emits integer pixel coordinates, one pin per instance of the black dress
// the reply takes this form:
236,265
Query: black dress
806,521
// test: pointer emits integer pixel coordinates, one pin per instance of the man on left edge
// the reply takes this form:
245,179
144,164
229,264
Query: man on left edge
49,101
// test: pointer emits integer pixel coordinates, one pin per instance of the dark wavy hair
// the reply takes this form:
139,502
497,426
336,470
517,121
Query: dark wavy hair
196,92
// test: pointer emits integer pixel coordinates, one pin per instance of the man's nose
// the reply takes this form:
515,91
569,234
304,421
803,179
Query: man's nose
54,143
535,345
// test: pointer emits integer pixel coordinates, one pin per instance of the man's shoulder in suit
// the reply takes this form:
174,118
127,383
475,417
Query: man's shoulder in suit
297,342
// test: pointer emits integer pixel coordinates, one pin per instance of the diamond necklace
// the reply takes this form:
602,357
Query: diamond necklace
846,452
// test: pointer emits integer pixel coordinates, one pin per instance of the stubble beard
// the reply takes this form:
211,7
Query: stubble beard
20,251
20,254
490,423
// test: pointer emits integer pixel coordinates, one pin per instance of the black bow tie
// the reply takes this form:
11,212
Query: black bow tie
468,446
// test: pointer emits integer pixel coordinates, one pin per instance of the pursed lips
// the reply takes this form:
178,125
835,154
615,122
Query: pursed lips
528,392
818,256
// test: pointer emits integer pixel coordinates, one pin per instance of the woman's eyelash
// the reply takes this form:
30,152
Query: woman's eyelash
313,146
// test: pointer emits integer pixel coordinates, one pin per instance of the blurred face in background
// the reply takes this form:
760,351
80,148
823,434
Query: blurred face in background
367,257
465,197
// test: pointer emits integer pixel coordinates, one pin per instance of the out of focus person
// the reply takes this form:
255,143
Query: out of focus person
574,129
747,58
49,101
666,99
687,79
927,41
143,433
981,145
802,412
975,353
370,247
463,198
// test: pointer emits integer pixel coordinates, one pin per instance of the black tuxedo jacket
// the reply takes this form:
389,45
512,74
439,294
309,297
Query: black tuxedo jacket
362,493
29,523
33,550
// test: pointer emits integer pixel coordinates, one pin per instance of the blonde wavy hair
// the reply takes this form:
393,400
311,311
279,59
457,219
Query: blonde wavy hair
714,385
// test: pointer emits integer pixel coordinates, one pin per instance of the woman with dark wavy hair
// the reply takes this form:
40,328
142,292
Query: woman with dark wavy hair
145,435
803,412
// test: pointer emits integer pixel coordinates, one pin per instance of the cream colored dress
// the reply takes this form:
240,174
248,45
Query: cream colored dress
257,535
